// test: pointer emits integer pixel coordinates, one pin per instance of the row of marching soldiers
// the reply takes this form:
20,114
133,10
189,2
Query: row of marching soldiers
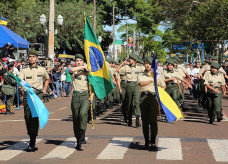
134,84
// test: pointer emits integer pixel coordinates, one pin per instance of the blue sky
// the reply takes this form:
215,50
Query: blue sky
117,35
129,21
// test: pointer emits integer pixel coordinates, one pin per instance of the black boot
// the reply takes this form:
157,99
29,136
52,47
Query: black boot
137,122
32,144
146,146
211,120
219,116
129,123
83,140
153,145
79,145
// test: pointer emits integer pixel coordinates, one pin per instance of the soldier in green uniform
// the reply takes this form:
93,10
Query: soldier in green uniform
201,89
80,99
183,72
214,82
122,85
116,94
149,105
131,72
110,95
172,80
9,89
36,76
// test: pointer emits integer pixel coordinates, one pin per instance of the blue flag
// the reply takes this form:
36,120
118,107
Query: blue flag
170,108
36,106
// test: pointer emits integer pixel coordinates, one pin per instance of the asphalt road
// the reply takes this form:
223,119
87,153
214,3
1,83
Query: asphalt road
191,140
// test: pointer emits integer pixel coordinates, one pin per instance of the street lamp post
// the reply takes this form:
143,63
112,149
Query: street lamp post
222,49
51,32
99,39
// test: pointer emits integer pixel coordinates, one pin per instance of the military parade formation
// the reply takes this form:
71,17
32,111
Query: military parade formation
134,91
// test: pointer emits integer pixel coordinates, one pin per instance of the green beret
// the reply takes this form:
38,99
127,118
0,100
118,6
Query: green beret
170,61
117,62
33,52
133,56
108,60
176,59
148,59
215,65
206,60
214,57
80,56
139,60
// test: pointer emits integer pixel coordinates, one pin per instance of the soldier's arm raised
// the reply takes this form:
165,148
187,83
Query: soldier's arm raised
72,70
121,65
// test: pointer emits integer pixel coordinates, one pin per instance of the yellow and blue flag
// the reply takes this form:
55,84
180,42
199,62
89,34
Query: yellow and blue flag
36,106
3,21
99,75
170,108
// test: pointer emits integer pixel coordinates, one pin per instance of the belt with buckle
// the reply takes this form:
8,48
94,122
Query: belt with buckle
80,92
170,83
147,93
132,82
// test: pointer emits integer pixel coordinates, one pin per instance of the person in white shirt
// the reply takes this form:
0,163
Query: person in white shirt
194,74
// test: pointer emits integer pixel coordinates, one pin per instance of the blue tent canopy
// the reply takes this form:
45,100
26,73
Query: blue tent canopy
6,35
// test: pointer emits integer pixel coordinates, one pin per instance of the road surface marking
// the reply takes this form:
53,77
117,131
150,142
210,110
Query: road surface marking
64,150
58,119
61,119
62,108
14,150
170,149
219,149
225,118
116,148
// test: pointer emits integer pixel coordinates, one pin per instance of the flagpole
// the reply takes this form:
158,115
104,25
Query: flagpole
90,90
91,105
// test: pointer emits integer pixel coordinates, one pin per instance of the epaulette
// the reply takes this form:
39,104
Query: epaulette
26,66
220,72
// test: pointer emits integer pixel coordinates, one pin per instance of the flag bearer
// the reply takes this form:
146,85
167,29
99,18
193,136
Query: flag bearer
80,99
214,82
36,76
149,105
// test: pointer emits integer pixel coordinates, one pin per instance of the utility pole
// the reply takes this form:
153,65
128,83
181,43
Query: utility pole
134,41
51,32
139,44
127,41
94,15
113,19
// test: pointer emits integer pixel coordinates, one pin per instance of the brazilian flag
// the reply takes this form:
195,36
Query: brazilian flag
99,76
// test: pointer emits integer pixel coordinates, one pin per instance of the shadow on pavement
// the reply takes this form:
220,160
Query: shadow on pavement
5,144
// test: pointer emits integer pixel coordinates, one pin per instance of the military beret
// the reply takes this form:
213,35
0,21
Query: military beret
176,59
206,60
170,61
214,57
117,62
133,56
80,56
139,60
33,52
215,65
148,59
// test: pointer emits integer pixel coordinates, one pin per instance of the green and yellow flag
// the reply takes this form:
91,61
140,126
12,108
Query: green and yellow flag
99,75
